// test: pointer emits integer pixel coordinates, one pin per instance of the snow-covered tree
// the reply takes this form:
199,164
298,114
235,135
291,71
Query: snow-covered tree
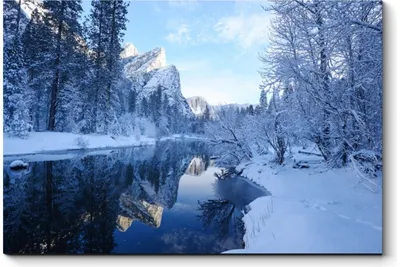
16,92
321,49
107,23
230,136
62,18
263,99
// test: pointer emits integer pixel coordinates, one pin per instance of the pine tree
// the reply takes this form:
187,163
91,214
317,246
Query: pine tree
207,115
117,20
15,87
132,101
63,16
250,110
107,24
83,76
38,44
263,99
144,107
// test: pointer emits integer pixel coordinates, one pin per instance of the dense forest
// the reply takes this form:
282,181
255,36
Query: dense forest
63,72
60,74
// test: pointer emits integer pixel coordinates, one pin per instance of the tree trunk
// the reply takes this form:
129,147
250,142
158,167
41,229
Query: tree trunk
110,68
56,81
18,20
324,78
98,68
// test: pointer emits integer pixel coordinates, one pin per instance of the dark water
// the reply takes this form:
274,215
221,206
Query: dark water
156,200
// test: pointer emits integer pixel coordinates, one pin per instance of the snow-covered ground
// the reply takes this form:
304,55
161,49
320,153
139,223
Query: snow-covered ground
41,142
313,210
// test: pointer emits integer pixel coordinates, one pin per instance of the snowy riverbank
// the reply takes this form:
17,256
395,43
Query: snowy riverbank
310,211
43,142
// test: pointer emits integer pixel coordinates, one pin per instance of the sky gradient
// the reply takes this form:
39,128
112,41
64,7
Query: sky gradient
214,44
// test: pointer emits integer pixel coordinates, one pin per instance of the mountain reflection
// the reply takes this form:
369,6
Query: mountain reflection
74,206
197,166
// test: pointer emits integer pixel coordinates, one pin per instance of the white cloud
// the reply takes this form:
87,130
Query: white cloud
180,36
246,30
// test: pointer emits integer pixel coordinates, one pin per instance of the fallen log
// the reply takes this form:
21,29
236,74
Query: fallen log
301,165
310,153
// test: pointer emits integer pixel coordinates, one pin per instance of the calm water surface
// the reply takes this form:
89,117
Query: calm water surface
156,200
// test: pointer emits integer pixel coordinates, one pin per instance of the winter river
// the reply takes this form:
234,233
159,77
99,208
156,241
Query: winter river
162,199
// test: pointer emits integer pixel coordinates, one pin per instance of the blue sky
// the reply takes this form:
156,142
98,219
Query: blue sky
214,44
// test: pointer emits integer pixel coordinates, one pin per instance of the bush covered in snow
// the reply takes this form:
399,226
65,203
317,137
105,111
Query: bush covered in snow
82,142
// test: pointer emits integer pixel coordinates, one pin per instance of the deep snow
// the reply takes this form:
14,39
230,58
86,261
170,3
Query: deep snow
42,142
312,210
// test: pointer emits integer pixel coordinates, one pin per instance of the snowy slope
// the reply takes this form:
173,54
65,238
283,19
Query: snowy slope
148,71
310,211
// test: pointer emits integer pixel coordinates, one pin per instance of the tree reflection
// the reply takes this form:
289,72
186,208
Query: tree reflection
219,214
73,206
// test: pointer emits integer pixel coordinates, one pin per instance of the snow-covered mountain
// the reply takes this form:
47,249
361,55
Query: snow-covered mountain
198,106
129,50
149,71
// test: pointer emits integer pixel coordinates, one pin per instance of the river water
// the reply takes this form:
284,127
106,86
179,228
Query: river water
163,199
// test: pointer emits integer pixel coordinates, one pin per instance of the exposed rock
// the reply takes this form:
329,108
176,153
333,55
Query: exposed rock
123,223
129,50
198,105
149,71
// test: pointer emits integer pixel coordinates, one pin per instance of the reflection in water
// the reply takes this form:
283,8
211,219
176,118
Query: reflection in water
219,214
239,191
139,209
197,166
122,202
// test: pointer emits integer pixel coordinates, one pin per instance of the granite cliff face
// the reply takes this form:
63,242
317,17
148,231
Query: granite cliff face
149,71
198,105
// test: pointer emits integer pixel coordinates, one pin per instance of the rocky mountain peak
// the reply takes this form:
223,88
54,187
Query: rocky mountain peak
129,50
149,71
198,105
